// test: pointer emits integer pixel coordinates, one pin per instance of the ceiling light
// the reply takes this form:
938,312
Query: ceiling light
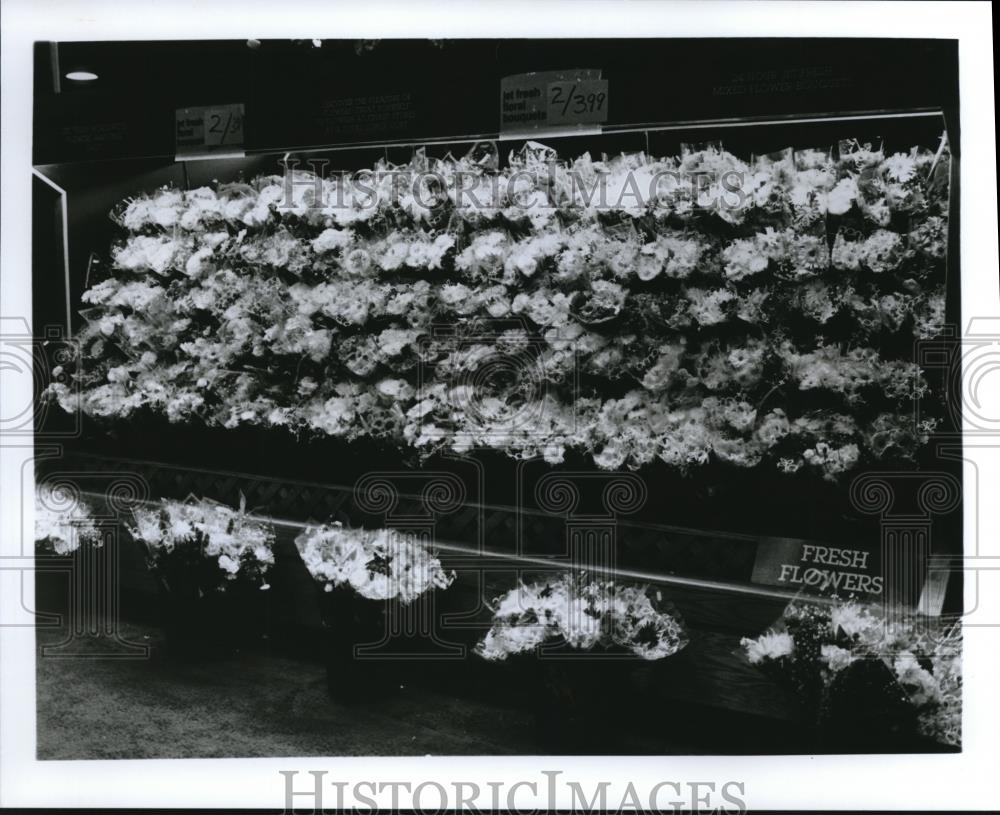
81,76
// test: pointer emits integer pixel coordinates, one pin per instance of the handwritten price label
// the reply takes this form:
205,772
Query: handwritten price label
583,102
209,129
545,100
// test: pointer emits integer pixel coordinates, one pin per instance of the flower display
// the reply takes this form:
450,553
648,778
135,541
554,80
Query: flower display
377,564
815,647
63,521
620,299
234,543
585,615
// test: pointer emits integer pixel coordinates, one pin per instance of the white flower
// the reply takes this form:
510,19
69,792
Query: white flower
395,341
612,455
833,460
394,256
899,167
853,620
707,307
663,370
919,683
744,258
881,251
772,645
456,295
398,389
332,239
554,453
835,657
196,264
841,198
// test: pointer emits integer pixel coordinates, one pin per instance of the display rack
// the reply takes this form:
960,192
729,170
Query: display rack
709,575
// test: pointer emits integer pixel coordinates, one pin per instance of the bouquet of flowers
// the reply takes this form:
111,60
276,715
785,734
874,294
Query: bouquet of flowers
354,567
585,615
63,522
210,543
901,673
376,564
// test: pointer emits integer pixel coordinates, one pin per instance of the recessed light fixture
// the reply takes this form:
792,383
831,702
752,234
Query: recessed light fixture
81,76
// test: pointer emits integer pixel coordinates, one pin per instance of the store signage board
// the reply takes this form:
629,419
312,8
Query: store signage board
209,131
818,568
553,101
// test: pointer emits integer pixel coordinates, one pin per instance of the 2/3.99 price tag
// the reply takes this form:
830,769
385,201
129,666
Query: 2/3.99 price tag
545,100
581,102
210,129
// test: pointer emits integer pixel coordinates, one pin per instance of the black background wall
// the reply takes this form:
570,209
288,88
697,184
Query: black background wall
293,90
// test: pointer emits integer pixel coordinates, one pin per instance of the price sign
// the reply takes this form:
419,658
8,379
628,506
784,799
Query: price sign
582,102
546,100
210,129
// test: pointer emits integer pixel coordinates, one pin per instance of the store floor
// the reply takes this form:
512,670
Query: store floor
249,706
253,705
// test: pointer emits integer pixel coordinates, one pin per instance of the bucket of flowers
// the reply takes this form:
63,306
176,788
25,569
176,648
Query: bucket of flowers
64,527
212,563
63,521
377,603
866,681
581,642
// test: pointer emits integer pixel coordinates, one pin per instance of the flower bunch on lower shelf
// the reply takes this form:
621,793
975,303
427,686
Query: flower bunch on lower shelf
206,541
814,648
63,521
380,564
586,615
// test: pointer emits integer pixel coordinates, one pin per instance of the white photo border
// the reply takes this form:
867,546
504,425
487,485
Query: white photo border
958,781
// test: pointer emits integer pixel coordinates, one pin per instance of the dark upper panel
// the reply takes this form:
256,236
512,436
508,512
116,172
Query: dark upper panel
298,95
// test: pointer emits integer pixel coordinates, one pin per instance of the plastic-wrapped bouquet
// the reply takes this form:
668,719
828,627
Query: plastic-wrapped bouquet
904,672
586,615
63,521
209,542
355,567
377,564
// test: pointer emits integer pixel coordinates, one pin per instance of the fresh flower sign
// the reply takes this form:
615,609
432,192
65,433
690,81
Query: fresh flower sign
818,568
